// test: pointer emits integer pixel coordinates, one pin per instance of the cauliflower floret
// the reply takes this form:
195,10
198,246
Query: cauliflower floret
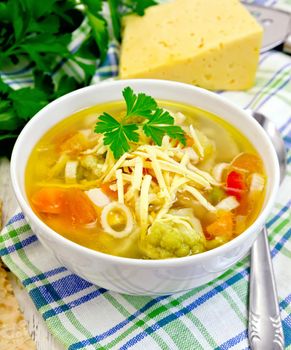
173,236
92,164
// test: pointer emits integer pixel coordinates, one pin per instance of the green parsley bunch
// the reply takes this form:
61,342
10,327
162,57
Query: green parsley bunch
39,32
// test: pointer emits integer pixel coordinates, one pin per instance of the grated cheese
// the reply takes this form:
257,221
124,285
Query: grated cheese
182,170
196,194
120,188
138,173
158,173
204,174
197,143
193,156
109,162
185,159
136,179
144,203
127,177
165,142
179,118
115,167
178,181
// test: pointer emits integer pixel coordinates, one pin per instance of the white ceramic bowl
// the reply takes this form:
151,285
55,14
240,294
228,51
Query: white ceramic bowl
133,276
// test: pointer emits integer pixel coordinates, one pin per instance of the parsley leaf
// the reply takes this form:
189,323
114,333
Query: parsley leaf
161,124
139,6
27,102
66,85
8,120
100,33
114,6
98,24
118,134
139,105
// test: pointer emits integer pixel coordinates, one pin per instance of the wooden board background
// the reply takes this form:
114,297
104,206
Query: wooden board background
36,325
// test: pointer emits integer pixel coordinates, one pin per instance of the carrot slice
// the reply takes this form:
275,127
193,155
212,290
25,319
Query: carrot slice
189,141
249,162
72,205
49,200
79,209
222,226
105,187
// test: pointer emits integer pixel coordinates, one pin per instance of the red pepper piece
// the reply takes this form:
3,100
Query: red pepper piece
235,184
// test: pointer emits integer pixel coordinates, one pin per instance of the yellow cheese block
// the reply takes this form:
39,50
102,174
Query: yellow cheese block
214,44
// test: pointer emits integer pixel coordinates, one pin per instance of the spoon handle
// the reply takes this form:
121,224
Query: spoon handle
265,327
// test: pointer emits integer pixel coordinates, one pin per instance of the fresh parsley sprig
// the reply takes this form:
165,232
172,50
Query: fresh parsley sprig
155,123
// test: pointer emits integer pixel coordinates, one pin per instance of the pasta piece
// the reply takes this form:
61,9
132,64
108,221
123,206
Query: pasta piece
218,171
98,197
228,203
108,227
71,171
257,183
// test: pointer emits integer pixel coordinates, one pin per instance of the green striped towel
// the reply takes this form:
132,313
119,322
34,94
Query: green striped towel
214,316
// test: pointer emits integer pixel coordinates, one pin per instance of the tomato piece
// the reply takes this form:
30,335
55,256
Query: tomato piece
105,187
49,200
222,226
249,162
235,184
79,209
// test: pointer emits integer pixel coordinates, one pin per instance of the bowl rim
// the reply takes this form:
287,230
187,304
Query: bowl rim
145,263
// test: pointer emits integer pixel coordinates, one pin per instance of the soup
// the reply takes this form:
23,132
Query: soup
181,197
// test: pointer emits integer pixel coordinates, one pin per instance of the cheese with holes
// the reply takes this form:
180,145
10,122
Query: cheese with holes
209,43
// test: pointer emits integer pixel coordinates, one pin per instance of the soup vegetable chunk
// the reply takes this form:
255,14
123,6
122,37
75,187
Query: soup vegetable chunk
145,180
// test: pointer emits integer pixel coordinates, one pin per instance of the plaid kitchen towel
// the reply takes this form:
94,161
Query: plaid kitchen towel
214,316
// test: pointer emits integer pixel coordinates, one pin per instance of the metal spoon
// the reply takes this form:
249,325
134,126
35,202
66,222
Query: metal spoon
265,327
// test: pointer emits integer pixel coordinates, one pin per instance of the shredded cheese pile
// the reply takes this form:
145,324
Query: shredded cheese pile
149,178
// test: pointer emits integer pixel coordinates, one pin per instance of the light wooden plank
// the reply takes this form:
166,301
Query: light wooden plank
36,325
